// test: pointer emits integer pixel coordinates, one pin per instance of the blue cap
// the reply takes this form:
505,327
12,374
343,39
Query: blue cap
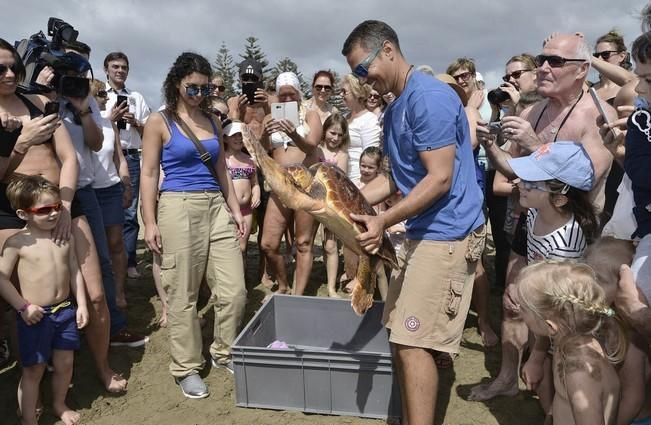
564,161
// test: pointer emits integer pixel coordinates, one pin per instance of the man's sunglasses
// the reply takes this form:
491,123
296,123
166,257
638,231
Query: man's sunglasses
361,70
605,55
4,68
102,93
464,76
515,74
554,61
320,87
196,90
45,209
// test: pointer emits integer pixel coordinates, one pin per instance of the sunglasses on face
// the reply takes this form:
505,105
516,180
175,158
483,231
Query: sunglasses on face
220,88
527,185
605,55
320,87
102,93
554,61
361,70
515,74
464,76
373,97
4,68
193,90
45,209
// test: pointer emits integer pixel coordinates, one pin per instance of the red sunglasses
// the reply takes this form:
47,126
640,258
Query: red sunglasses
45,209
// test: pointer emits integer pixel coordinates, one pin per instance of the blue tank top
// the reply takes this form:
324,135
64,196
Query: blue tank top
184,171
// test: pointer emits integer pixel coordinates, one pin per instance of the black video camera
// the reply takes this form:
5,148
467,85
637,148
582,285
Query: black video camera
37,52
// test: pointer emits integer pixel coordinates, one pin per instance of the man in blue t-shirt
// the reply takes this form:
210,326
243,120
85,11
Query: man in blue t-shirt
428,144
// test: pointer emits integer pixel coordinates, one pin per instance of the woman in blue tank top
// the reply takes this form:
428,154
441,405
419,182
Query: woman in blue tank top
198,223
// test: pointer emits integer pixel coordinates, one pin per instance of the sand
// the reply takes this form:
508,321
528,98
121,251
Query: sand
153,398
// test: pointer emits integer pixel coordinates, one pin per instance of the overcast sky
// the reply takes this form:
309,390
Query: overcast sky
154,33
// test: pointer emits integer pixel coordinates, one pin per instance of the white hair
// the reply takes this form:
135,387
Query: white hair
583,50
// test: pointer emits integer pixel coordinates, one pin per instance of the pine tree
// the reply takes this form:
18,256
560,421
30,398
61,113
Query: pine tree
337,100
225,68
288,65
252,50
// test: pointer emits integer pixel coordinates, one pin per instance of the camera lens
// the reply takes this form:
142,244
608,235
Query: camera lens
498,96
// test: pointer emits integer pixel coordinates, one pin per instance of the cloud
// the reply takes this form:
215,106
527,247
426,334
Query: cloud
153,33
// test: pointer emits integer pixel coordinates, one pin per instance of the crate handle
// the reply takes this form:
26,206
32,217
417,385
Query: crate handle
256,326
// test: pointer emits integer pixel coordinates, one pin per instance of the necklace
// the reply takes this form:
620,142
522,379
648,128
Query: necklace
404,83
554,130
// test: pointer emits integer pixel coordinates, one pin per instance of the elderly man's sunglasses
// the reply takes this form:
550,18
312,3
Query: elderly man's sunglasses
554,61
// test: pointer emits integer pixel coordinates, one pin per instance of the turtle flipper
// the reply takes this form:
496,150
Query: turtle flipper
365,280
281,181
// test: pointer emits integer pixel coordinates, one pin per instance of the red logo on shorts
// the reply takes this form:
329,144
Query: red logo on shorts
412,323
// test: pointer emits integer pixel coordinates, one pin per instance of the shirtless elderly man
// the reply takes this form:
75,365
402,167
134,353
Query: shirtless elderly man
567,113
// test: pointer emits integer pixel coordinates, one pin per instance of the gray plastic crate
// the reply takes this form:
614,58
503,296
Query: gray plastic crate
337,363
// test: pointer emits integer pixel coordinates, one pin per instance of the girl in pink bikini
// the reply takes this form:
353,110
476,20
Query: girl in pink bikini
245,182
333,150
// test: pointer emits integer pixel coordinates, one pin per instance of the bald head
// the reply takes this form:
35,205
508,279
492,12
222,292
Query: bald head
569,46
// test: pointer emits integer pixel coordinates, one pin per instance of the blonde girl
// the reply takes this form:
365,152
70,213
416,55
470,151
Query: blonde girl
333,150
562,301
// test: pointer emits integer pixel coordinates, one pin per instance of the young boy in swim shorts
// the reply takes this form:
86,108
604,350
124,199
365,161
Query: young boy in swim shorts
50,284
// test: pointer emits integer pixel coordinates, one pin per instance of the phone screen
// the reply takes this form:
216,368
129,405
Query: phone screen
249,90
600,108
122,124
51,108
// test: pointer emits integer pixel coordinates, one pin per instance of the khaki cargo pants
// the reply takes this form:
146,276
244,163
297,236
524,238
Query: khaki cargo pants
199,240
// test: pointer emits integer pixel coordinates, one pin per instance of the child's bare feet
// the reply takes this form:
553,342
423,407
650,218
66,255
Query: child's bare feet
67,415
333,294
114,382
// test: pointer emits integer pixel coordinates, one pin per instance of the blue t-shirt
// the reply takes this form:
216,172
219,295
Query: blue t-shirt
429,115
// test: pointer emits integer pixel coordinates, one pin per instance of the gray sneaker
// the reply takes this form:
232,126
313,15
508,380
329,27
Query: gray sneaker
228,366
192,386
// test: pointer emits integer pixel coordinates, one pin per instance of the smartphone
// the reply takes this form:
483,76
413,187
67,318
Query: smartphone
495,127
286,110
122,124
51,108
600,108
249,90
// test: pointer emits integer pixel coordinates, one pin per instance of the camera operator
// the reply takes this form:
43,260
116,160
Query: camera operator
80,114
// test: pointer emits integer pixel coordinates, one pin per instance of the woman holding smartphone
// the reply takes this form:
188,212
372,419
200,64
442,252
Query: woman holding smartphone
193,230
290,144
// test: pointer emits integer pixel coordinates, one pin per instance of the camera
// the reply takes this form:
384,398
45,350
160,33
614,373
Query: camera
37,52
498,96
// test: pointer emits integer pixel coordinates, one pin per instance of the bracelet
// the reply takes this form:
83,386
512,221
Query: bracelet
86,112
23,308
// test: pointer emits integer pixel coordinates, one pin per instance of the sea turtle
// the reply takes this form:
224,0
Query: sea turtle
324,191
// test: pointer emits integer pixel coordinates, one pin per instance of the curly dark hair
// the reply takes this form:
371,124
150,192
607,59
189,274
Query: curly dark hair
184,65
